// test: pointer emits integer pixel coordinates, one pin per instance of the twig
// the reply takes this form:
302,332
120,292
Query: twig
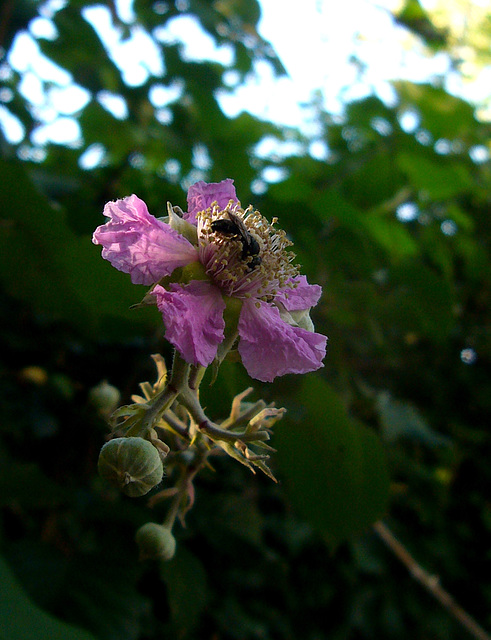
430,582
5,18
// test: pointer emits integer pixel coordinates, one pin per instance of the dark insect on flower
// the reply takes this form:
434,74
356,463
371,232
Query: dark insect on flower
276,335
235,227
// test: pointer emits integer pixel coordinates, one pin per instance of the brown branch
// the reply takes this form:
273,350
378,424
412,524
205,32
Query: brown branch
430,582
5,17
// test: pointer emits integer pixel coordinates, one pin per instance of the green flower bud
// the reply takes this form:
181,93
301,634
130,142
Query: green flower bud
132,464
155,541
104,397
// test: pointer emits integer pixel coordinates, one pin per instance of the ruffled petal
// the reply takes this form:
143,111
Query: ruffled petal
137,243
193,317
270,347
303,296
202,194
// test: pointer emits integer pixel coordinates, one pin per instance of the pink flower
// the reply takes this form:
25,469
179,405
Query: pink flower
201,195
137,243
234,260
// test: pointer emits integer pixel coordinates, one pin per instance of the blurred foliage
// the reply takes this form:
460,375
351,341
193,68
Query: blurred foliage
395,226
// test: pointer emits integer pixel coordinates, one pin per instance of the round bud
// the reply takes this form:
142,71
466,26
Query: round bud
132,464
155,541
104,397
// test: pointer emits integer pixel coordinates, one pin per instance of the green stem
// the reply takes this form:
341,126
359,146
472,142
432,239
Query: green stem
171,516
190,401
189,471
196,376
163,400
215,433
172,421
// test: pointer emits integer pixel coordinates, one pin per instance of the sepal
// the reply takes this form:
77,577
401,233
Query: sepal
177,222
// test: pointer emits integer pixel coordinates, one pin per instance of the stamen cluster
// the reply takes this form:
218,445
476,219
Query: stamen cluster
222,255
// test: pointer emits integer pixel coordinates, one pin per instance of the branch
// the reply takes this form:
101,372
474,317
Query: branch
430,582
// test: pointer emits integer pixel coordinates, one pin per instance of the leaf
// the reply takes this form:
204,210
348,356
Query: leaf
185,578
422,301
334,467
44,264
438,177
77,47
101,589
414,17
443,115
391,235
25,484
21,619
403,420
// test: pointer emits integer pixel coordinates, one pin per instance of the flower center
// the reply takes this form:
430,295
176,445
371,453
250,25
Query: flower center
243,253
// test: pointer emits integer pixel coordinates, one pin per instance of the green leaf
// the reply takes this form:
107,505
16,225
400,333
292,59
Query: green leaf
101,588
334,467
438,177
21,619
76,48
403,420
422,301
391,235
443,115
99,126
43,263
414,17
185,578
24,484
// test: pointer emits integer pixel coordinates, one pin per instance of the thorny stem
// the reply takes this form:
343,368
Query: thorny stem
183,387
195,377
191,403
245,417
162,401
429,582
182,390
174,423
182,486
171,516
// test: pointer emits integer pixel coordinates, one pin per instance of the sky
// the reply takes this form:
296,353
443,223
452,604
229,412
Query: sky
316,45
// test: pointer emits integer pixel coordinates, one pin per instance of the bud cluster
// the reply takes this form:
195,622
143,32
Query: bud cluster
167,425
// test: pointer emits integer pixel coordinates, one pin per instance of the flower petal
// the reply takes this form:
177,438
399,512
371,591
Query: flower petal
303,296
137,243
193,317
202,194
270,347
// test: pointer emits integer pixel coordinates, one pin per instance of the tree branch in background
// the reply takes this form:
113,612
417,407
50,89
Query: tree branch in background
430,582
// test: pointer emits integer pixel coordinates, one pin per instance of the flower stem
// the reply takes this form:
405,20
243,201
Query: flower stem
163,400
171,516
190,401
185,486
196,376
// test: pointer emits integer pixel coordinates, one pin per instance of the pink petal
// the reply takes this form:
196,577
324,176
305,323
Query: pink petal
303,296
202,194
193,317
270,347
137,243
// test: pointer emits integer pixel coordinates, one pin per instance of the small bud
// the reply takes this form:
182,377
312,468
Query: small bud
104,397
155,541
132,464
